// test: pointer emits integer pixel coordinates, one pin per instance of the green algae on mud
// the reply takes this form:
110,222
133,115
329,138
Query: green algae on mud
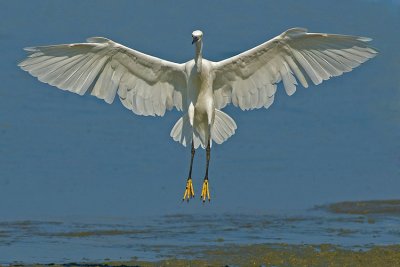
270,255
365,207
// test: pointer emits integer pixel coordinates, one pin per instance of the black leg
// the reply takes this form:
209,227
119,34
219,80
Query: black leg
191,161
189,192
205,192
208,150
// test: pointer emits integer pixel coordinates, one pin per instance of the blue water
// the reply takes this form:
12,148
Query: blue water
185,236
63,155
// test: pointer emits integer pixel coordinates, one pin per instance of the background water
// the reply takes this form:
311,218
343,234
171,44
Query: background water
65,156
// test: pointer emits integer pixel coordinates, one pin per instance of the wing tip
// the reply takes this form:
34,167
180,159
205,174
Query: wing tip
295,31
364,39
31,49
97,39
22,64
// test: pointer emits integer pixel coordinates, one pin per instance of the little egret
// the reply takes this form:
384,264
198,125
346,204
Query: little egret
199,88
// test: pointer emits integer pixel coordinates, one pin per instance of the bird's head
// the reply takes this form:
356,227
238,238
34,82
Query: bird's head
197,35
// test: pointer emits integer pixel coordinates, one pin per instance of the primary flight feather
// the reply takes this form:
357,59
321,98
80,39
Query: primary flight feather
199,88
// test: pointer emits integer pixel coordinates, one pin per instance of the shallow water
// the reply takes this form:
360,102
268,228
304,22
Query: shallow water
188,236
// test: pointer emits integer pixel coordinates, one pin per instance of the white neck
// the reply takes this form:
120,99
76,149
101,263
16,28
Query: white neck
198,58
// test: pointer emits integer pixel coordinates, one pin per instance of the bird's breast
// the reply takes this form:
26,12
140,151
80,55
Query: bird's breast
200,92
199,83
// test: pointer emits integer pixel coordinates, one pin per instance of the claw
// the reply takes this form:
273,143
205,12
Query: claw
205,191
189,192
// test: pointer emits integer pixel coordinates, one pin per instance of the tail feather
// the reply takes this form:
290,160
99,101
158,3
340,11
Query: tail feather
197,141
223,127
182,131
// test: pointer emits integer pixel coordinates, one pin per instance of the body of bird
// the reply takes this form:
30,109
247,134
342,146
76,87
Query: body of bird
201,108
199,88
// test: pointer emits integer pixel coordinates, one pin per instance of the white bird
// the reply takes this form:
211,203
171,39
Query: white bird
199,88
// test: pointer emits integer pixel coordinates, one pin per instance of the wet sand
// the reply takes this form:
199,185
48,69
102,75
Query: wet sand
272,255
391,206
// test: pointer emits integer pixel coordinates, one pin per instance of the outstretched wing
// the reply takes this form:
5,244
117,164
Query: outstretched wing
249,79
146,85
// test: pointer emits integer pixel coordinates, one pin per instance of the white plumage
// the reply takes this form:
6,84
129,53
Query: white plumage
200,88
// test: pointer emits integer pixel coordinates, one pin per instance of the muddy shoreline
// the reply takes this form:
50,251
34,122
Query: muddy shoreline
268,255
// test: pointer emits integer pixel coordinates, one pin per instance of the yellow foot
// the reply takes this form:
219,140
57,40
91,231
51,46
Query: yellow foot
205,192
189,192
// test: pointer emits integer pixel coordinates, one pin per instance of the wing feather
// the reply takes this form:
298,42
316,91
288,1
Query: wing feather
249,79
145,84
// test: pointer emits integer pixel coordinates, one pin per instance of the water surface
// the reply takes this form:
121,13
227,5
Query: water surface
189,237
